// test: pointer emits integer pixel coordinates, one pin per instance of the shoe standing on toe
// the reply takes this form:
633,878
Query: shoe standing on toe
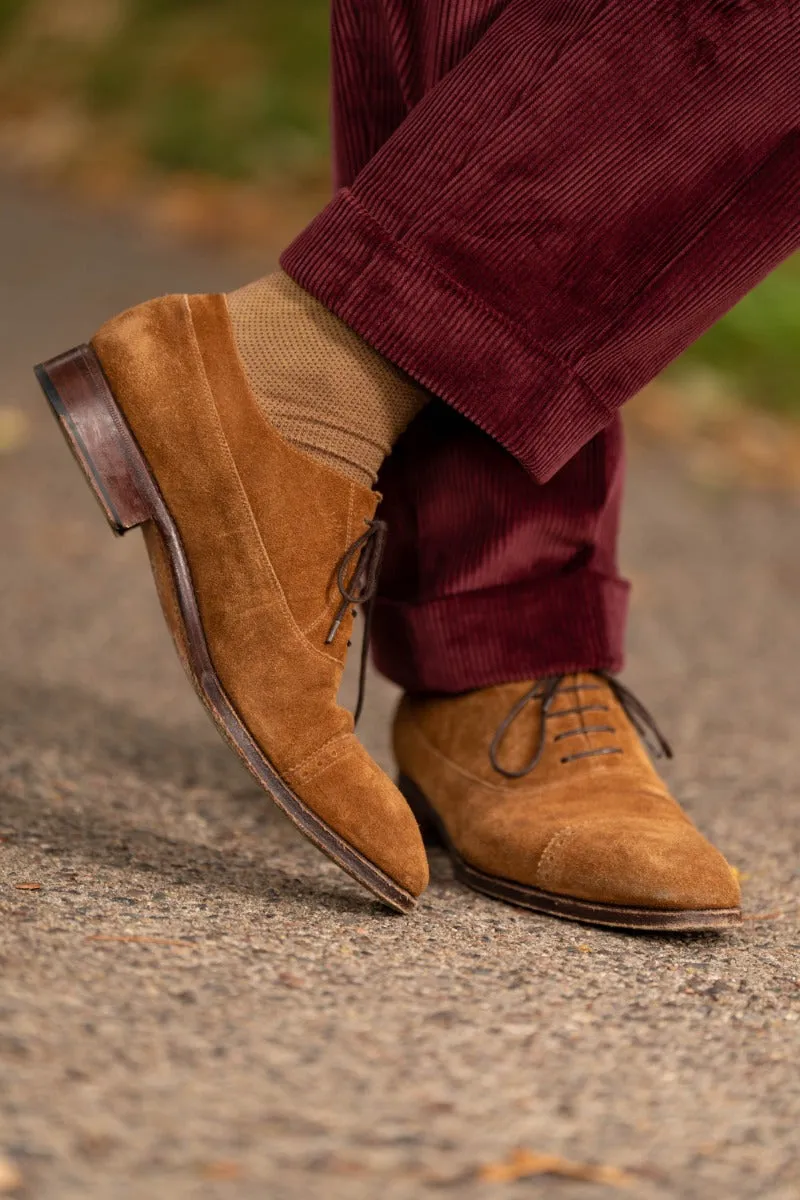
259,522
544,796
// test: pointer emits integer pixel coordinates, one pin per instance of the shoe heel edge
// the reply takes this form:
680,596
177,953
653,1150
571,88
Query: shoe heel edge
82,402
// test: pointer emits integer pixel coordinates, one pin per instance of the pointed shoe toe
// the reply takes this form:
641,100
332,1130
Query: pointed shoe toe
354,796
258,553
640,864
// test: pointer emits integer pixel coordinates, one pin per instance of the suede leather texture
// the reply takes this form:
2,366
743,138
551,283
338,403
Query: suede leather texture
264,528
602,829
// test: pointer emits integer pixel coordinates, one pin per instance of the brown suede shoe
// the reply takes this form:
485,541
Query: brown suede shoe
258,552
544,796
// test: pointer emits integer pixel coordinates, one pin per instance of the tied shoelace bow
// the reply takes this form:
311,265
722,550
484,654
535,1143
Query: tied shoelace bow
367,553
546,691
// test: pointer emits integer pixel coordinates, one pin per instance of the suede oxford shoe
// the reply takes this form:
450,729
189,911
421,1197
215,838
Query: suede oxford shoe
259,553
544,796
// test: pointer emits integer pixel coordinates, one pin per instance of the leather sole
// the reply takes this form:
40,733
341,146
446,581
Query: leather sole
115,468
523,895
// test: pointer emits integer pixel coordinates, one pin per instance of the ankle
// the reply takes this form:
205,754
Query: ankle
325,390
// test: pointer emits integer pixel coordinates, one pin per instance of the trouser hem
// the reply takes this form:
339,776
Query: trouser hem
445,336
472,640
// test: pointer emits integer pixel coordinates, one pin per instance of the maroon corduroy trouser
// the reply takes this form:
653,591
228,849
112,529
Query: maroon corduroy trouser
540,204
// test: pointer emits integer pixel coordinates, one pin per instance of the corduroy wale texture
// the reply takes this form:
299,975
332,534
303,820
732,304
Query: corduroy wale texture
488,574
541,204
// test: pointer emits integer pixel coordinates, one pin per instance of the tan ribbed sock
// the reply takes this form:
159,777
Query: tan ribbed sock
322,387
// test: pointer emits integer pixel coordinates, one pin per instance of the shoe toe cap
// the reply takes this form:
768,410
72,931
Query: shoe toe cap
361,804
638,863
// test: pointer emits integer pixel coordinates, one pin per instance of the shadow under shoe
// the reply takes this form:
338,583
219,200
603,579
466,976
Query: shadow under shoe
258,552
544,796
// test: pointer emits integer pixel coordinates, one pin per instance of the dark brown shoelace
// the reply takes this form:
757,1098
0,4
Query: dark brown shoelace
546,690
367,554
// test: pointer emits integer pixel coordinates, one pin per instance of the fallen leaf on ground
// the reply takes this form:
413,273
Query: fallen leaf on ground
10,1178
139,941
28,887
221,1172
524,1164
709,1149
336,1165
14,430
289,979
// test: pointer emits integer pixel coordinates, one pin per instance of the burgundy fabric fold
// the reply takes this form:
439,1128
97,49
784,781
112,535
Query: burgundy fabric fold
490,576
541,203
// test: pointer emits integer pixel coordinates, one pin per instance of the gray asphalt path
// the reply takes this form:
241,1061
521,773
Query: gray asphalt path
285,1037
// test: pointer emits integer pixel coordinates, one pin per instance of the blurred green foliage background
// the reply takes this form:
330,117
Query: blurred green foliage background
236,90
233,88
